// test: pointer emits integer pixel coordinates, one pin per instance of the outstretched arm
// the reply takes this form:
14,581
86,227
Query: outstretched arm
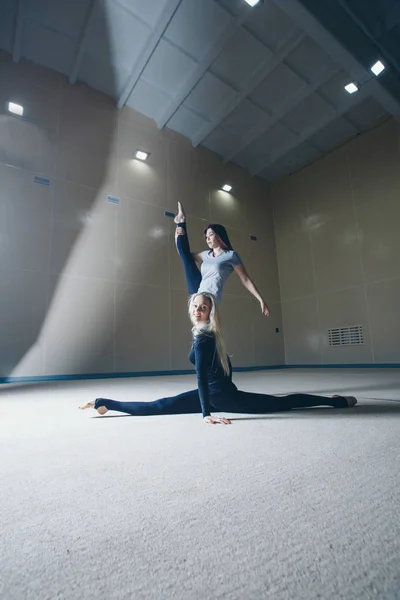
249,284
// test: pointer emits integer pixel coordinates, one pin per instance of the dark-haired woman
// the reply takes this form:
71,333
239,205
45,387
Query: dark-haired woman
209,270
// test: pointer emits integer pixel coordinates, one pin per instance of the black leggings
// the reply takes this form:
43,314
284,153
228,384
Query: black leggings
192,272
234,402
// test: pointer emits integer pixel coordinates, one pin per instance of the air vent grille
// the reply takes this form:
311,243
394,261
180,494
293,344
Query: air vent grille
346,336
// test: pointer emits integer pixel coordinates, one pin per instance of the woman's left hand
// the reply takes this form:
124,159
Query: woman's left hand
216,420
264,309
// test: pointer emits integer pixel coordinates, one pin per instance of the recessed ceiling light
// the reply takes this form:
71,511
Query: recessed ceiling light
377,68
252,2
351,88
141,155
226,187
17,109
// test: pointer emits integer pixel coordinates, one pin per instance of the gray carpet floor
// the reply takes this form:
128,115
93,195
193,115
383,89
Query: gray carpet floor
298,505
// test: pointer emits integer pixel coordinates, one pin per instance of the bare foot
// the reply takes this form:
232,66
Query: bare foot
87,405
351,400
180,217
101,410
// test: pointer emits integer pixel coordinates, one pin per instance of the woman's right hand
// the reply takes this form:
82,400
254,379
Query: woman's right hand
217,420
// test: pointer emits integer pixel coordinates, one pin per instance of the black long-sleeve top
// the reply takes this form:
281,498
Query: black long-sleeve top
211,378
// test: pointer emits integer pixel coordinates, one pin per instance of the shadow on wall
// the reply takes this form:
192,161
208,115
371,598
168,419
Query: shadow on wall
57,241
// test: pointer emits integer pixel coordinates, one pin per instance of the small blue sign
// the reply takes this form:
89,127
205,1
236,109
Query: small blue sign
169,214
113,199
276,329
42,180
253,238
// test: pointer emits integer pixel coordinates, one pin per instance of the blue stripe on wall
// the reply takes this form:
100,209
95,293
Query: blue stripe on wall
43,378
346,366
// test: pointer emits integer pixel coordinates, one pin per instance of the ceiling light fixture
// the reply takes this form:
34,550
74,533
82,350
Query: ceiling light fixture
351,88
226,187
16,109
253,2
377,68
141,155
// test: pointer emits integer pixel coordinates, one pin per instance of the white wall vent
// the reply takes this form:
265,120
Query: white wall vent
346,336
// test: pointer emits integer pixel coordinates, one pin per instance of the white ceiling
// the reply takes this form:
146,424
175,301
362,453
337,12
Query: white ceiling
262,86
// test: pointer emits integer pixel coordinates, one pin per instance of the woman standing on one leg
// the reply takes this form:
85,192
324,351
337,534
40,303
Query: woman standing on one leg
209,270
215,390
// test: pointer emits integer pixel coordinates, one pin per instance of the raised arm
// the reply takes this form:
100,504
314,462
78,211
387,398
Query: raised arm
249,285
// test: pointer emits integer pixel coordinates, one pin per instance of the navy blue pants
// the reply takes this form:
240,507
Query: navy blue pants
192,272
234,402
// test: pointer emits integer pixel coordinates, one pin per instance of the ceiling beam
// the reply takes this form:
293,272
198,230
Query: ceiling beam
313,129
302,94
83,40
311,25
261,73
18,31
149,48
203,66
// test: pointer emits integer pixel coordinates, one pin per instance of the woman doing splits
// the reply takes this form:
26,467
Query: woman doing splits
215,390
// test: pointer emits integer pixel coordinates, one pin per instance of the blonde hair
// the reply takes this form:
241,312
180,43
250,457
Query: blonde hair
213,326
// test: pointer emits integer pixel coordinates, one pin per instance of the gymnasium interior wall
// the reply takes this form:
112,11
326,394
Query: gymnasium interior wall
338,246
90,281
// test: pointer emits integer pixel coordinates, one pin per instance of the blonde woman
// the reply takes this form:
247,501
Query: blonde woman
215,390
